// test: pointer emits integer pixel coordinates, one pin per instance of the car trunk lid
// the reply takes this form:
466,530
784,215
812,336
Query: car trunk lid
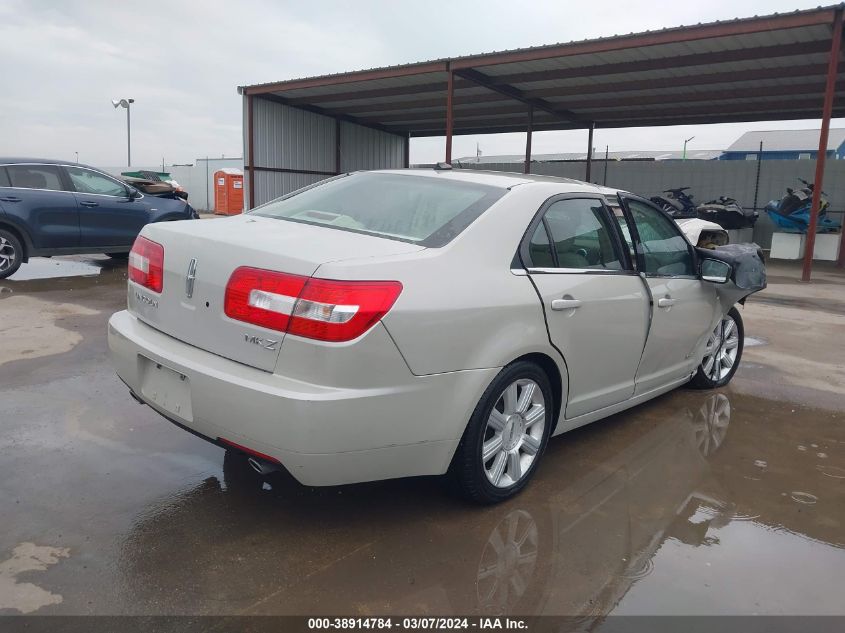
200,257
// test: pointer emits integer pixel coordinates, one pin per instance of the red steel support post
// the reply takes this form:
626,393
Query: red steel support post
590,152
249,149
527,166
337,146
450,89
830,87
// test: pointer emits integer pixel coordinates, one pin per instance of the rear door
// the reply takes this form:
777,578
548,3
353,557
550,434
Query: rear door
108,216
683,306
38,198
596,306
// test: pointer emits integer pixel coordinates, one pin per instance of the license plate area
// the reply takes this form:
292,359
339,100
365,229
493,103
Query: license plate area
166,388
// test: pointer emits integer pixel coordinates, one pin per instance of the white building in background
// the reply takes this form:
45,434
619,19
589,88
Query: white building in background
197,178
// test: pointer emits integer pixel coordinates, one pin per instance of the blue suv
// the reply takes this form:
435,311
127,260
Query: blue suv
48,207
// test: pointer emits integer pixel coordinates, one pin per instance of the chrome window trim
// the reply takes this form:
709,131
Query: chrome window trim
581,271
78,166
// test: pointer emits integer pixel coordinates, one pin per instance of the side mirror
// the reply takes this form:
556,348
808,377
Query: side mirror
132,193
715,271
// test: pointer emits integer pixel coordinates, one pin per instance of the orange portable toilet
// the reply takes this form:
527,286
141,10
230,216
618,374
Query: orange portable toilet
228,191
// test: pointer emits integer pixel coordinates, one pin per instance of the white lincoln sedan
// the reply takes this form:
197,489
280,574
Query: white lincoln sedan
424,322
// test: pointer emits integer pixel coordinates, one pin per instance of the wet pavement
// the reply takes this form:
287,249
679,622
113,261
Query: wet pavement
696,503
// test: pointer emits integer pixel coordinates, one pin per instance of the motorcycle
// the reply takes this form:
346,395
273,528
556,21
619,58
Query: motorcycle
792,212
727,213
676,203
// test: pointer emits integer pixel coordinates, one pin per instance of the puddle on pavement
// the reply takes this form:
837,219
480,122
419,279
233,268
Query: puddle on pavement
48,268
692,504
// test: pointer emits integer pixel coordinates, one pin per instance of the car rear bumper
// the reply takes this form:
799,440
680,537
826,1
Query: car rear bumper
323,435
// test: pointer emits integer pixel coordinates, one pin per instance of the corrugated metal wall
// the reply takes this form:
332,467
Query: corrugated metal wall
365,148
301,141
707,180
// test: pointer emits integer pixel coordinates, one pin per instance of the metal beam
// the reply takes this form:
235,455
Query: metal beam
528,131
450,119
827,111
678,35
331,114
694,79
421,104
407,151
590,152
804,89
250,153
347,78
514,93
799,50
337,146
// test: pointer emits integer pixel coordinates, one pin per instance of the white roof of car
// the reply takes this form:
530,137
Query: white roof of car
506,179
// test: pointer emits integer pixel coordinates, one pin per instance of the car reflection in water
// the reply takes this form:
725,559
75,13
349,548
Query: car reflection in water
575,543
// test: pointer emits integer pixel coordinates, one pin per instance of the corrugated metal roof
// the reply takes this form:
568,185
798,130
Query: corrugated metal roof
786,140
699,154
752,69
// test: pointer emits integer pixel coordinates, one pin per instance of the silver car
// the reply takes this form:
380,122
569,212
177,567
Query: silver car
424,322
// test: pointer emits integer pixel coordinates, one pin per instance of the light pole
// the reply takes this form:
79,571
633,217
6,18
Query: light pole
125,103
77,157
684,155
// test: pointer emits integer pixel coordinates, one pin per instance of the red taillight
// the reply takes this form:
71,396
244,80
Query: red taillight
262,297
322,309
146,264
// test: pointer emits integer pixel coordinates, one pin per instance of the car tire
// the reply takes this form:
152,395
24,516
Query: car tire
504,440
11,253
722,354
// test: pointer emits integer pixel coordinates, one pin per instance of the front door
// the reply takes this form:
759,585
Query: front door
596,307
684,308
108,216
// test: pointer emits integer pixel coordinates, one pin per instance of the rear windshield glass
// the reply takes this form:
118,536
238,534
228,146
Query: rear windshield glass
419,209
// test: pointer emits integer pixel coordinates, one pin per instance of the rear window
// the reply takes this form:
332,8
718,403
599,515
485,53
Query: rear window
419,209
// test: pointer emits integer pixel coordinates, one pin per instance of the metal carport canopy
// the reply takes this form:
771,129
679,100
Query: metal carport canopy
752,69
763,68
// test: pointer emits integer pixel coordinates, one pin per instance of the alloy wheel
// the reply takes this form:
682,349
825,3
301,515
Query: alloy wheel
514,433
721,350
8,256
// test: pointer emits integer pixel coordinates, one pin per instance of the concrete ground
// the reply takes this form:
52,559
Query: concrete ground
699,502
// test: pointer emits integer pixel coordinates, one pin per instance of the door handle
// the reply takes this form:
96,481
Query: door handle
89,203
10,199
565,304
666,302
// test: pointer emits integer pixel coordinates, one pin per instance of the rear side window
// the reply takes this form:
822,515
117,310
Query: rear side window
4,178
419,209
35,177
581,236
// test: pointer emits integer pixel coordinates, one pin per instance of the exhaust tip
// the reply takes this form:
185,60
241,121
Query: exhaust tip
261,467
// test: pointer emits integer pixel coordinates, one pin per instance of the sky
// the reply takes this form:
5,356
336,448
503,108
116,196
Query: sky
65,60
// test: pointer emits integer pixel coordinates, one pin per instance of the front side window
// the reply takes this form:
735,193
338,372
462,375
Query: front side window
662,246
35,177
87,181
579,235
425,210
